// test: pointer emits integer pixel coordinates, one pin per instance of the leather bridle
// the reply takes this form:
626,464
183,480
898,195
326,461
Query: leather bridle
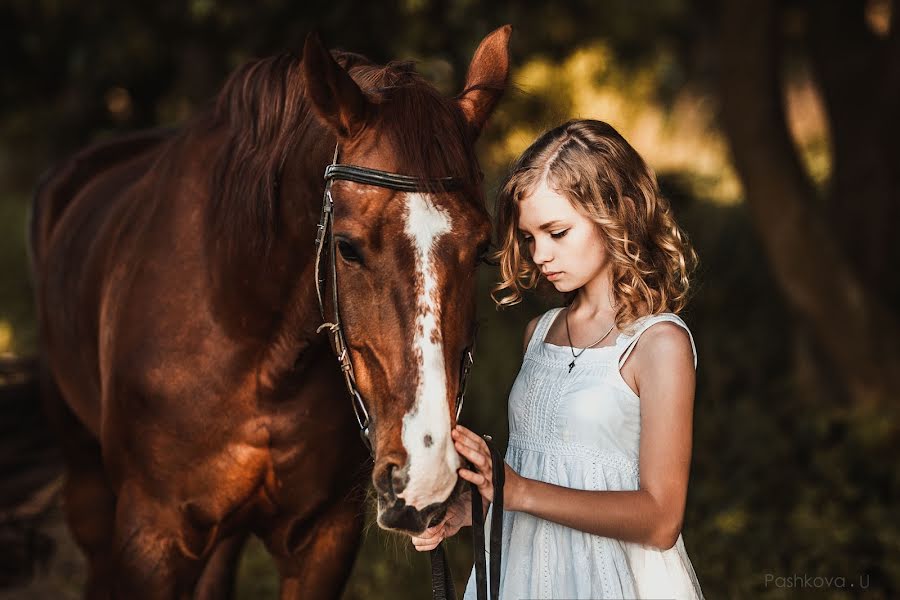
325,229
441,579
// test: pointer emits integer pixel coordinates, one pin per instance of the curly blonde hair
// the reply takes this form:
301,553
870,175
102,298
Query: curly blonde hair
592,165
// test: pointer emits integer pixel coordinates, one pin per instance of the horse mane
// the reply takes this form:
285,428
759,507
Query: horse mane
260,107
265,113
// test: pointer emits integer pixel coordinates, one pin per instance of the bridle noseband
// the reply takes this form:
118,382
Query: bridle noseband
325,229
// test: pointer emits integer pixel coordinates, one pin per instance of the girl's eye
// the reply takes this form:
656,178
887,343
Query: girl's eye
559,234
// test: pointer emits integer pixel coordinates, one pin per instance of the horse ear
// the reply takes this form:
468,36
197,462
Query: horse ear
486,79
334,95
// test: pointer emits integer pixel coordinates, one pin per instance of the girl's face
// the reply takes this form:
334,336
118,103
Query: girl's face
566,246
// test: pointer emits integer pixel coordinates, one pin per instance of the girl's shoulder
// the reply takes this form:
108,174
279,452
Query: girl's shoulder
663,332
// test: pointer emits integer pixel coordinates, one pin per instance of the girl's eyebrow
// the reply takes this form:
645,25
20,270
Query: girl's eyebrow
545,226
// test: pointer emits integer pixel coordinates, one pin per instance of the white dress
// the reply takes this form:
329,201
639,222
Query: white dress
580,430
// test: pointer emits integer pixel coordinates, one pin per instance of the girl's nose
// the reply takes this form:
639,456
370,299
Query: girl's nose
540,252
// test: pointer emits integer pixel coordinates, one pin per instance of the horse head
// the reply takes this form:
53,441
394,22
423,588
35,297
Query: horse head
405,261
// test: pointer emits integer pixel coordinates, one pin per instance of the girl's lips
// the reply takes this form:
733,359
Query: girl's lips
552,276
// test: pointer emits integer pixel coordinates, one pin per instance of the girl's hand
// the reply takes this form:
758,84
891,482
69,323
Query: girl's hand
458,516
473,447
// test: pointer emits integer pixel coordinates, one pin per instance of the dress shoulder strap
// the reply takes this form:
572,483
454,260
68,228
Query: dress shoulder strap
540,331
643,324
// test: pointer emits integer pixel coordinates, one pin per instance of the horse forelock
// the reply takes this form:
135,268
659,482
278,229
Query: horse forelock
425,130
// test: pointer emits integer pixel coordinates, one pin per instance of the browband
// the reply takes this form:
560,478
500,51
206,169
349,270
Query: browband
394,181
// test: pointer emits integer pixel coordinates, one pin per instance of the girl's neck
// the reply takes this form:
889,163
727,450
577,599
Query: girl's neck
594,300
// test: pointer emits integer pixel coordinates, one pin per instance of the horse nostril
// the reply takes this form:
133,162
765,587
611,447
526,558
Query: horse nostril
397,478
390,479
428,441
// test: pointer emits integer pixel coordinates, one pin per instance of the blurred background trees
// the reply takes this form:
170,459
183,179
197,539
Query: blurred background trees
773,127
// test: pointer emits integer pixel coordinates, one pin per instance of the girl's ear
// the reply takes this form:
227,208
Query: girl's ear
486,79
336,98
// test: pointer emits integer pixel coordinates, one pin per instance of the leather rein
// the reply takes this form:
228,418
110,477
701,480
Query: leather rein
441,580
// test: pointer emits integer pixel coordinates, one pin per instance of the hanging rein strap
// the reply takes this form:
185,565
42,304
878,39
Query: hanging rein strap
441,579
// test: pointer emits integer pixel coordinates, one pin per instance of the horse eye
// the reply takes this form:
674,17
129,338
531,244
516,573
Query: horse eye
349,252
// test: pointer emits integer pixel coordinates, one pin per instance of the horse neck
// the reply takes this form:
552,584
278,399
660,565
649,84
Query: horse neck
294,339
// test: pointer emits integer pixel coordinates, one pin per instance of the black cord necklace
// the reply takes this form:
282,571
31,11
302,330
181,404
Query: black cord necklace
572,348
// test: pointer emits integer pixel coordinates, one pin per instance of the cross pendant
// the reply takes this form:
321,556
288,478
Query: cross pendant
571,365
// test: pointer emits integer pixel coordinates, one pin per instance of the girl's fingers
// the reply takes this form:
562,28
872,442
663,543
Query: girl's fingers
433,531
417,542
467,443
476,478
473,441
473,453
476,459
463,429
470,435
426,548
474,448
484,485
469,475
429,539
467,451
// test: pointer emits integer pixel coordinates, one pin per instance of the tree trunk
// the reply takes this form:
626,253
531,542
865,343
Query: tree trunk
826,287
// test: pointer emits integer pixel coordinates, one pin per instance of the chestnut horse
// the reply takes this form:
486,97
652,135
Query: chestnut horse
174,273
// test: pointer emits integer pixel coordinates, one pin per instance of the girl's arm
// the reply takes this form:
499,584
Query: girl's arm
663,367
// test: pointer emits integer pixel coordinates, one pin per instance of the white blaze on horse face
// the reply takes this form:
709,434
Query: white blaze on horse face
432,458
